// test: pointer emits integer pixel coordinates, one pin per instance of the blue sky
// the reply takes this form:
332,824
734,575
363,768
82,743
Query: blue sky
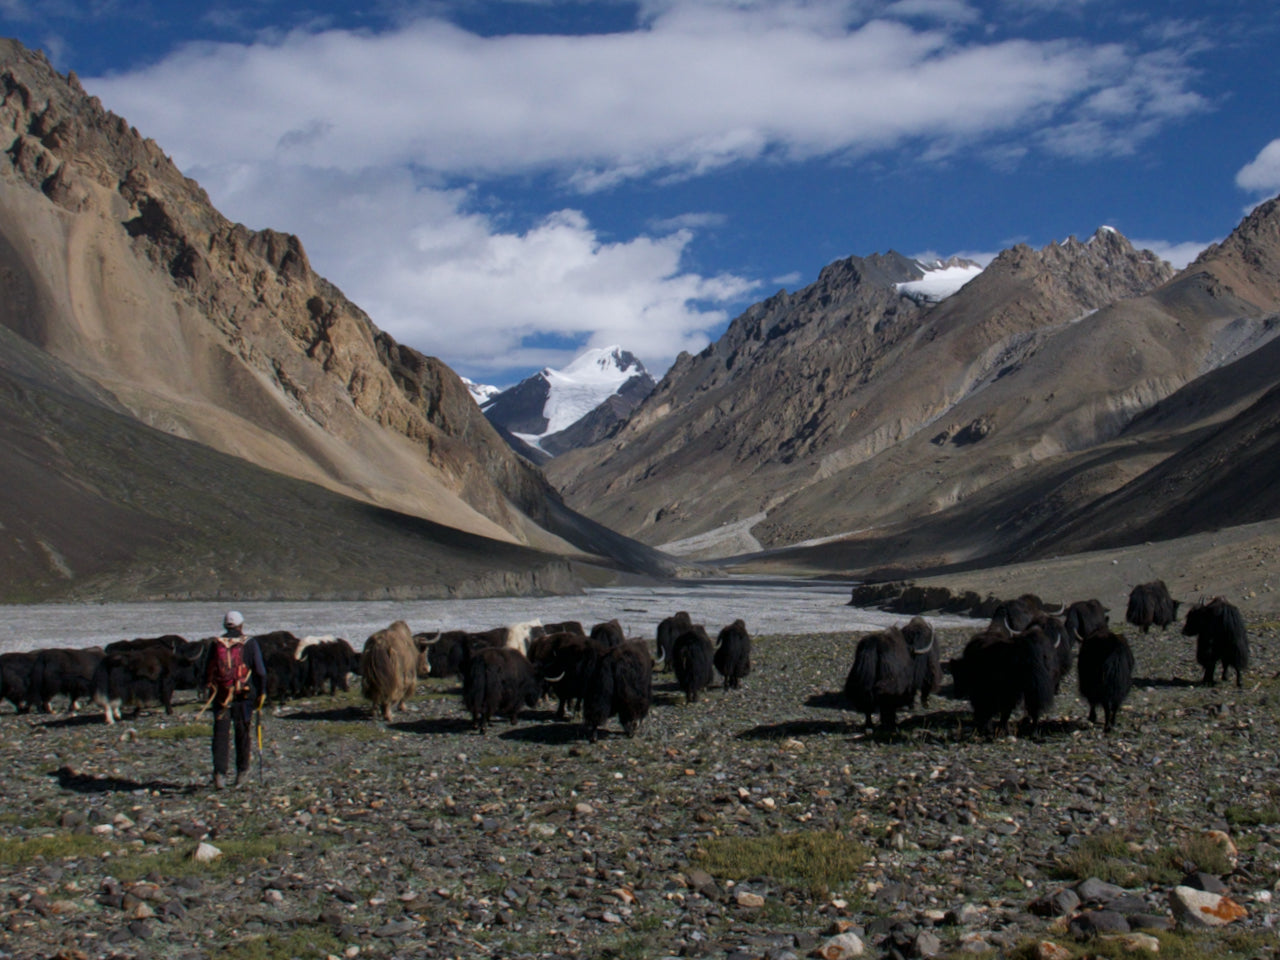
504,184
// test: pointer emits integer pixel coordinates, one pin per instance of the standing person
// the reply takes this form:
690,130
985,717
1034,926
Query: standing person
238,677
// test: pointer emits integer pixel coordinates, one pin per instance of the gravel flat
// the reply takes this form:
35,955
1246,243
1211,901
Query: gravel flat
424,838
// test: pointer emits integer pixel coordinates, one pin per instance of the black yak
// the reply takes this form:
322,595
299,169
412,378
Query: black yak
564,661
668,630
1151,605
1220,638
15,679
609,633
890,668
691,659
732,657
1085,618
997,672
986,674
132,677
63,672
1106,674
619,683
499,682
1017,615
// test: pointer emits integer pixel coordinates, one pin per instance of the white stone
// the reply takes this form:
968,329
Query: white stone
841,947
1199,908
206,852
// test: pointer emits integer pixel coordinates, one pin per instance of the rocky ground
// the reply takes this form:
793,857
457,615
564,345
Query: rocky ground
760,823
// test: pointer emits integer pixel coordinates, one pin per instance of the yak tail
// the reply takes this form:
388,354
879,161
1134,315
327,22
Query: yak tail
860,687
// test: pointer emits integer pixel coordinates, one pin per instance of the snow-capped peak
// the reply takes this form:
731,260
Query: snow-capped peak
941,279
586,383
482,393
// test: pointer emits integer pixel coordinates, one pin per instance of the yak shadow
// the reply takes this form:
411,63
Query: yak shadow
69,779
433,725
550,734
336,714
831,700
74,720
1165,682
790,729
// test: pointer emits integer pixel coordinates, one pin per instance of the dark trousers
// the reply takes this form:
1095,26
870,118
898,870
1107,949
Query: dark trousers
239,713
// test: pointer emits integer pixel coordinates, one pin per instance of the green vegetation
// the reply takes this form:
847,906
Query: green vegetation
181,731
363,731
817,859
1174,945
58,846
1115,858
309,941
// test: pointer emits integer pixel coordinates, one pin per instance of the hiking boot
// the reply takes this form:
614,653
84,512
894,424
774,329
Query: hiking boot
219,781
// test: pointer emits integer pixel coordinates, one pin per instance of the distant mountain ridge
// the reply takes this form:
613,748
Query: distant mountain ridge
851,426
119,270
554,411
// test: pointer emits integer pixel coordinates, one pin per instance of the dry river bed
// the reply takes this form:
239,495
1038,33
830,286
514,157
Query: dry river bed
758,823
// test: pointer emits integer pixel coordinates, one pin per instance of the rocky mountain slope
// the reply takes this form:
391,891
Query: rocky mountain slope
121,272
555,411
849,427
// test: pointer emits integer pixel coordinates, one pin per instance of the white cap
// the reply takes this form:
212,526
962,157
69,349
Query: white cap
234,618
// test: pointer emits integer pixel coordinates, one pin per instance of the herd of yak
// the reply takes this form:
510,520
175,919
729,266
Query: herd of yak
1019,660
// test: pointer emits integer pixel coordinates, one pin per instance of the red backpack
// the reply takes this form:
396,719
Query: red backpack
228,673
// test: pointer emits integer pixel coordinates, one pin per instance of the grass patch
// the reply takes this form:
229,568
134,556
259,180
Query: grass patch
1114,858
1174,945
1245,816
59,846
360,730
309,941
178,731
818,859
239,857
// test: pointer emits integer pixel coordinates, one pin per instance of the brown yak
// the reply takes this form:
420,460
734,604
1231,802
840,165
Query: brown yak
389,668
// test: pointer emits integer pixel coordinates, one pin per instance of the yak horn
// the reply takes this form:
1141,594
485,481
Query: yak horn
924,650
1007,625
662,655
557,679
1062,606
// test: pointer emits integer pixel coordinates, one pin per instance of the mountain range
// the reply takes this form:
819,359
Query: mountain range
188,410
1075,397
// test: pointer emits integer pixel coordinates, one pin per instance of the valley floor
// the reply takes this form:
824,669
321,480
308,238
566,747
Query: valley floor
753,823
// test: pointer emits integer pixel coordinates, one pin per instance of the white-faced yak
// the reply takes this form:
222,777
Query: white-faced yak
1106,674
389,668
732,657
691,659
1151,605
890,668
1220,638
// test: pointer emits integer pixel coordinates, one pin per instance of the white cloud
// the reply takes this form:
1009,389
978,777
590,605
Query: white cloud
455,284
1262,175
1178,254
345,138
704,86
